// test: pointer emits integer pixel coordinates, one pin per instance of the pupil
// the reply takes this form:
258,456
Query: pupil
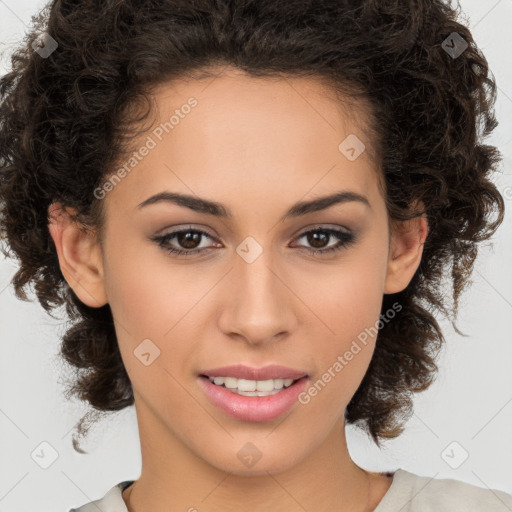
189,239
313,238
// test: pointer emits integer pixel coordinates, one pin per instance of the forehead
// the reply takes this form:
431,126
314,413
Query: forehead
235,133
233,100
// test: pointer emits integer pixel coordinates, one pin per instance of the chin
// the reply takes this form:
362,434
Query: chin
248,460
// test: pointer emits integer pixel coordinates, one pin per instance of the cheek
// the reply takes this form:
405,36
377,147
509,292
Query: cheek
347,304
150,308
348,296
344,345
147,294
352,321
154,305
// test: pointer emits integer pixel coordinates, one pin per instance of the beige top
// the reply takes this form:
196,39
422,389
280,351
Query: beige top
408,493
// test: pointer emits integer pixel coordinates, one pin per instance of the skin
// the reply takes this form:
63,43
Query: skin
257,146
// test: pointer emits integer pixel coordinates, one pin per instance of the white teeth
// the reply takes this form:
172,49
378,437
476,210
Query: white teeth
244,386
255,393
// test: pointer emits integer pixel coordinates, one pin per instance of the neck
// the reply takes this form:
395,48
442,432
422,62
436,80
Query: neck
174,477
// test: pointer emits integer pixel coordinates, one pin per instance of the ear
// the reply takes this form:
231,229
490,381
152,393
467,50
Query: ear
406,250
79,256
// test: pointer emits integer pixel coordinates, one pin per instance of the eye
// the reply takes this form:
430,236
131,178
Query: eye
317,238
189,241
187,238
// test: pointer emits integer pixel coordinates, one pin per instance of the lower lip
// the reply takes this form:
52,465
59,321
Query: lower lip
253,408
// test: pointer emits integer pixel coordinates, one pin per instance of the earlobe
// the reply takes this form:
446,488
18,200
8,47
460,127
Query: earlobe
79,256
405,253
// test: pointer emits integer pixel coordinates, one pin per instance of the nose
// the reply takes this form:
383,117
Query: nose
259,304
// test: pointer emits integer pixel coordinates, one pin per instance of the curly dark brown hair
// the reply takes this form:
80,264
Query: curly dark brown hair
66,119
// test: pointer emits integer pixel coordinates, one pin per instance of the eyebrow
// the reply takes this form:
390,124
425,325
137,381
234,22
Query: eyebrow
219,210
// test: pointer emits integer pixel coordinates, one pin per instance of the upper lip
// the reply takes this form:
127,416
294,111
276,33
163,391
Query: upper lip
241,371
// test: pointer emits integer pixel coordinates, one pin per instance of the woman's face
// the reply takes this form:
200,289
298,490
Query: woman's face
255,294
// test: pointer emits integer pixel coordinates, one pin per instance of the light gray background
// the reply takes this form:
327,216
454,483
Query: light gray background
469,404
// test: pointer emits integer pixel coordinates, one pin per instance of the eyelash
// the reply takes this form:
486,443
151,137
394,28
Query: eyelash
346,239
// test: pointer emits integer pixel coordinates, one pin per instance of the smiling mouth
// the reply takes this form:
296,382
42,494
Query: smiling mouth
245,387
250,400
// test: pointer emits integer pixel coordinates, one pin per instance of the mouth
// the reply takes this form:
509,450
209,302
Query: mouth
241,371
246,387
250,400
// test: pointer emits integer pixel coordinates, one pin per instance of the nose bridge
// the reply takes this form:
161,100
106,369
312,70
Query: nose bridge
255,275
257,304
